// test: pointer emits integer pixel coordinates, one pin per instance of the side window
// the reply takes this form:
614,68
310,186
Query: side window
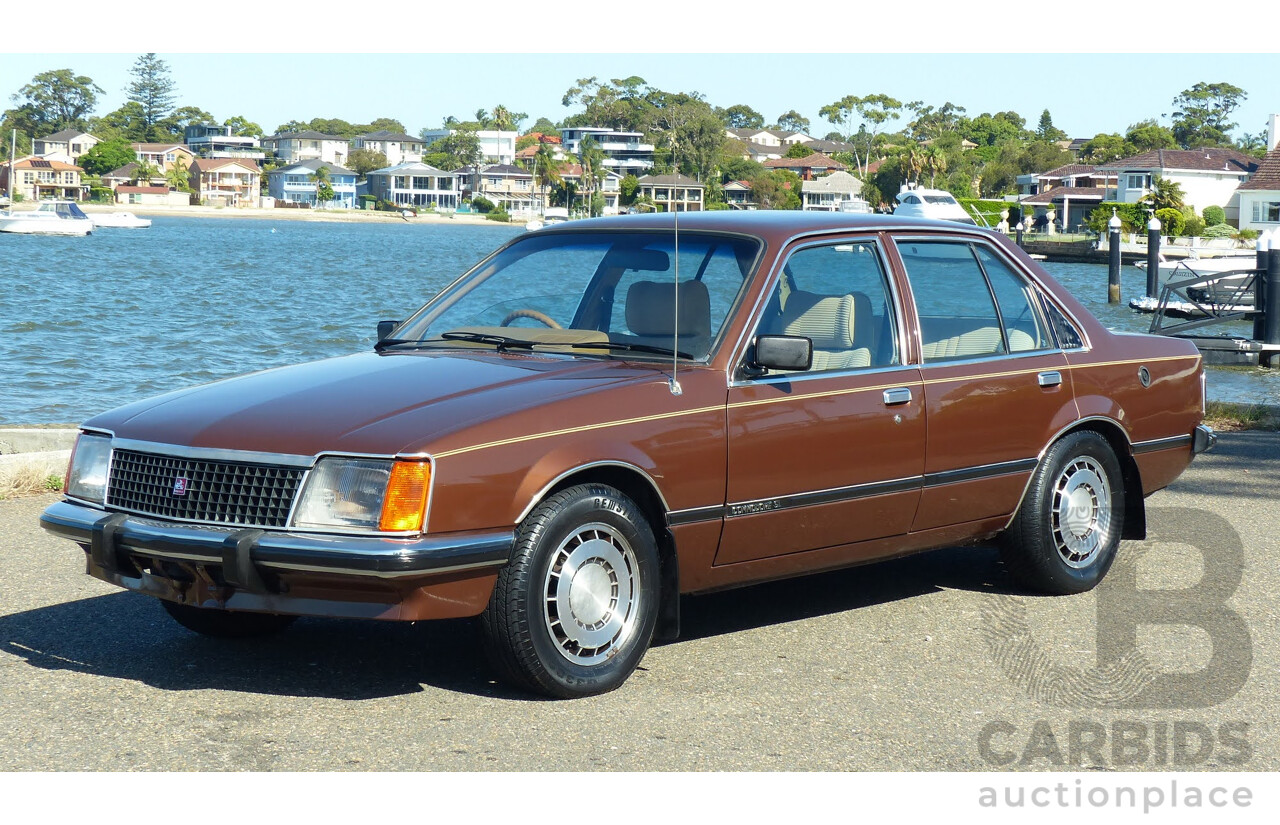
1068,336
1023,328
836,296
958,317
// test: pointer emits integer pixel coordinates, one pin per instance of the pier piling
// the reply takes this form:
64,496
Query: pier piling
1260,287
1020,230
1153,258
1271,301
1113,259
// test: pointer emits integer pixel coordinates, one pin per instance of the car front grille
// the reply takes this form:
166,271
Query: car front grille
216,492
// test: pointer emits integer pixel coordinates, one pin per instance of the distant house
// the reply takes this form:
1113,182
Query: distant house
1208,177
292,147
673,193
163,156
397,147
737,194
624,152
150,196
128,173
70,142
508,187
826,193
1260,195
497,146
209,140
808,168
297,183
415,184
35,178
769,137
226,181
610,188
1072,191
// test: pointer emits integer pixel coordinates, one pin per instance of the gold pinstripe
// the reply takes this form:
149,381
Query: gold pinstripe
764,401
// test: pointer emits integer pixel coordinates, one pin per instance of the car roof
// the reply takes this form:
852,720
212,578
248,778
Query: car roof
770,224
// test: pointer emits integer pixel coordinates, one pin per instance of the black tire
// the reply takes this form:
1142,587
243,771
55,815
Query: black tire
1067,530
591,644
226,624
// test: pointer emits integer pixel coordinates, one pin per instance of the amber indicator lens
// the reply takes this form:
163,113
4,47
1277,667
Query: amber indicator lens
406,498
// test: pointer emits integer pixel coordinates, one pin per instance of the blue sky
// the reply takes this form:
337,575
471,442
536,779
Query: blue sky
1086,93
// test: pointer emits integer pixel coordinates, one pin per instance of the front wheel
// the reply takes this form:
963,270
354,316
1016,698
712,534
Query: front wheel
574,611
1067,530
226,624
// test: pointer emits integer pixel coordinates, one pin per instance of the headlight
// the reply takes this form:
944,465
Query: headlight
90,464
365,494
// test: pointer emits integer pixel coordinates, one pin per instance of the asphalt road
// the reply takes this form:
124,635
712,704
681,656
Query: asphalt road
934,662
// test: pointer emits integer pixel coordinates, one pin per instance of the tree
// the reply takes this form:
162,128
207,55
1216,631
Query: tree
243,127
934,161
1164,194
59,99
931,124
324,187
793,121
1046,130
455,150
546,168
544,126
741,116
364,161
1201,113
689,131
106,156
591,157
619,104
1041,157
127,122
1146,135
776,189
1104,148
144,173
176,124
992,130
505,120
384,124
177,177
798,150
152,89
872,111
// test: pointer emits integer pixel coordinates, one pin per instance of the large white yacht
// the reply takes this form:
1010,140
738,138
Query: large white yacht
931,203
52,218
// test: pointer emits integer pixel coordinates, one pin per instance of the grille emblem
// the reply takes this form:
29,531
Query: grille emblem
180,486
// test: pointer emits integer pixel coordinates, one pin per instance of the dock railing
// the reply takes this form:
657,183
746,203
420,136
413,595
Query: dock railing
1206,300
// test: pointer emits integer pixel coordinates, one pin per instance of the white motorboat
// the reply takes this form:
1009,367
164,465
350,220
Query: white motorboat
121,220
931,203
551,216
52,218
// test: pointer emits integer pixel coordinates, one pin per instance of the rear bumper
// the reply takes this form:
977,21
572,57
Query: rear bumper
242,551
1202,440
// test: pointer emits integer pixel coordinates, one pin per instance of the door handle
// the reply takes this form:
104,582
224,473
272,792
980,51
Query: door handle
1050,378
896,396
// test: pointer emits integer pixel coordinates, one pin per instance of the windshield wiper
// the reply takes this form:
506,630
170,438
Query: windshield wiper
500,342
633,347
391,342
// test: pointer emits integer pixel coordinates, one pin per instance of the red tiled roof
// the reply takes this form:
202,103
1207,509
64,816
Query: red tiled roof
143,190
1068,171
1268,174
44,163
1079,193
1199,160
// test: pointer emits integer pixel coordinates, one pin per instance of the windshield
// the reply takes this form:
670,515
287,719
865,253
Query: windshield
594,292
941,199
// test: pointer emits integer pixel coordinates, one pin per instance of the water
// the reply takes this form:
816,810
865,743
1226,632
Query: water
87,324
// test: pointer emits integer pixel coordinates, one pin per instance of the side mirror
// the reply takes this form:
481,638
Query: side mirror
782,352
384,329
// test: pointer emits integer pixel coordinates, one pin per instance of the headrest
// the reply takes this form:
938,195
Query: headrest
827,320
651,309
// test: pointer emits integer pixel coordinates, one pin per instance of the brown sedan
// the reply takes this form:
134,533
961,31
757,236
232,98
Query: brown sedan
604,415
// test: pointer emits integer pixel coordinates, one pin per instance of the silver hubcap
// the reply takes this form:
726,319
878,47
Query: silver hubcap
591,594
1081,511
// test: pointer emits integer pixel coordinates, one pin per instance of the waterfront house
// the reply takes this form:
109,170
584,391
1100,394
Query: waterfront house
1208,176
496,146
1072,191
291,147
673,193
297,183
624,152
396,147
826,193
164,156
610,187
226,181
70,142
1260,195
415,184
808,168
737,194
128,174
209,140
35,178
127,195
508,187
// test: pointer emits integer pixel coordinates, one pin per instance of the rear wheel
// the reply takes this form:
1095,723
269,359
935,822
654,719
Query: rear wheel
226,624
1067,530
574,612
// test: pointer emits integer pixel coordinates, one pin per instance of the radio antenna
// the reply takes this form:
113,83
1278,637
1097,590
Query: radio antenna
674,383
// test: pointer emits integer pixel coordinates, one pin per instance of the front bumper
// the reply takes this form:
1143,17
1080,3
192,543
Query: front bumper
242,551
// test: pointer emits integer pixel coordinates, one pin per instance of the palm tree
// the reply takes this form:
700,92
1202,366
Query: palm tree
177,176
935,161
324,190
144,172
912,162
1164,194
591,157
546,169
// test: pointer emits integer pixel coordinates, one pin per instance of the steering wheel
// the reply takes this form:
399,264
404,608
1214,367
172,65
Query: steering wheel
540,317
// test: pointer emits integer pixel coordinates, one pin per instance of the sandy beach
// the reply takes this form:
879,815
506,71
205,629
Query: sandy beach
323,215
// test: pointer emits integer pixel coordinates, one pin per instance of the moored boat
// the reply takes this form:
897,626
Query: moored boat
120,220
52,218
